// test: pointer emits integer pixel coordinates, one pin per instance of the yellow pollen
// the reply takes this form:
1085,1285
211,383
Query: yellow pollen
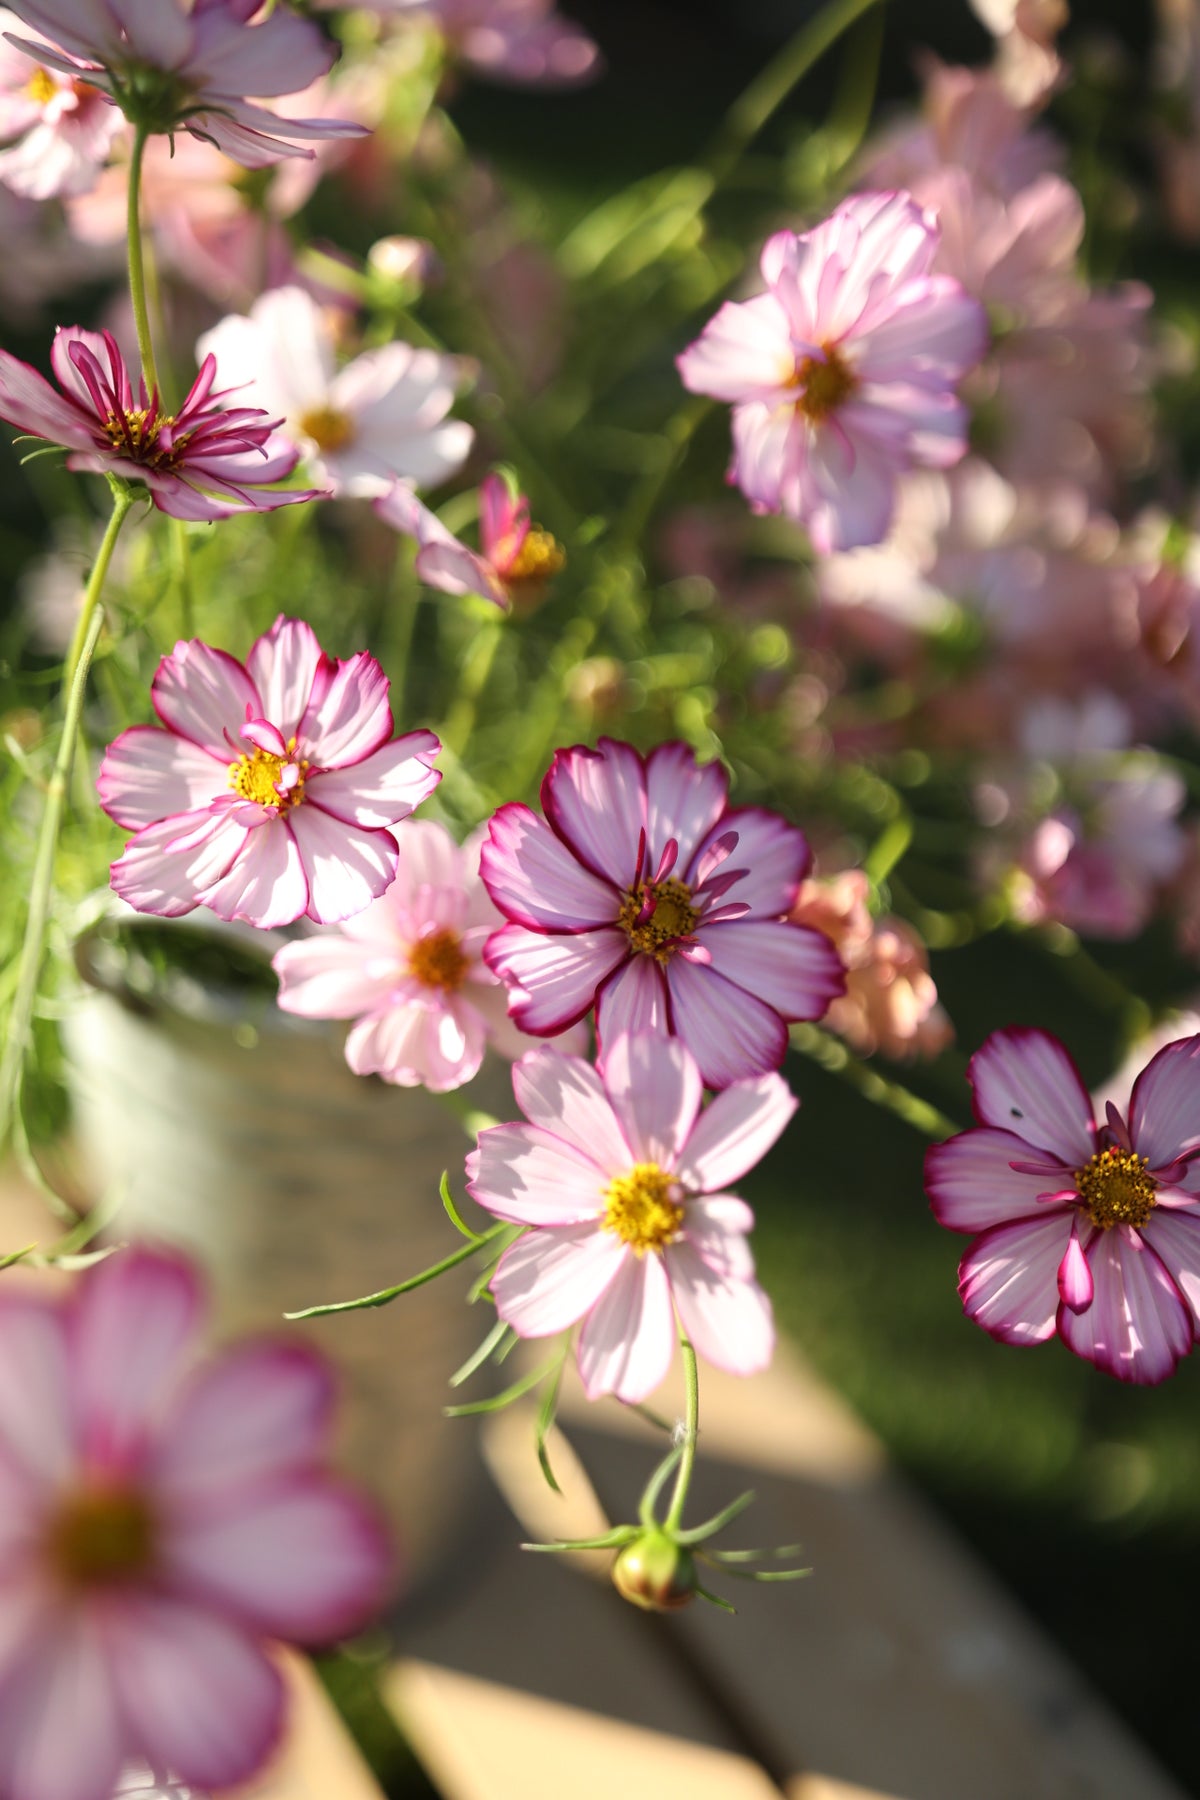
256,777
41,87
1116,1188
673,917
643,1208
540,558
823,385
135,436
328,428
106,1535
437,961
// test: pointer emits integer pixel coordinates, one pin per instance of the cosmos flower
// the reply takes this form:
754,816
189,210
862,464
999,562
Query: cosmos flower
623,1180
525,43
515,561
58,130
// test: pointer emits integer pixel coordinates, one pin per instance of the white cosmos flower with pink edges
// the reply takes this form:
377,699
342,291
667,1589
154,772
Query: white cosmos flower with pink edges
643,893
273,787
410,971
622,1180
842,375
515,559
161,1518
58,130
1090,1231
525,43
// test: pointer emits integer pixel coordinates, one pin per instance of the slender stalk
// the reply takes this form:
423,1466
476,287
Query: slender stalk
181,546
691,1433
29,967
137,261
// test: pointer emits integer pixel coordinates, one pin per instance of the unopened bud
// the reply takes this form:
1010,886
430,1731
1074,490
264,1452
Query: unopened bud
655,1573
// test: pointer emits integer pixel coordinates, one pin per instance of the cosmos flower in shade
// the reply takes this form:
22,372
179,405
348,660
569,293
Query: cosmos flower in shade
360,428
643,893
272,789
202,462
842,375
162,1517
623,1182
57,130
410,971
1091,1231
515,561
172,65
524,43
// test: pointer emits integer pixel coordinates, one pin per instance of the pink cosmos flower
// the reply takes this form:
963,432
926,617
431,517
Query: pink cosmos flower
523,42
273,788
410,971
1091,1231
842,374
517,559
161,1519
623,1181
202,462
644,894
188,65
380,418
59,130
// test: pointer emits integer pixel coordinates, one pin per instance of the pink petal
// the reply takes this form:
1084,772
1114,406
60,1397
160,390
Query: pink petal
333,977
628,1336
1174,1236
553,980
61,1735
168,866
202,694
745,352
29,402
350,717
770,449
735,1132
525,1174
149,774
280,54
384,787
1075,1285
346,867
283,665
200,1697
971,1186
418,1044
633,999
933,332
1138,1325
729,1321
717,1225
1164,1108
685,800
550,1278
793,968
730,1033
1008,1279
852,496
158,34
775,855
536,881
565,1096
655,1089
595,800
265,884
37,1431
1025,1082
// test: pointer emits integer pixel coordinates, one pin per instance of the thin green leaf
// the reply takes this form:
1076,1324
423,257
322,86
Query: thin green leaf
715,1600
16,1256
655,1485
718,1522
651,1417
767,1574
612,1540
497,1402
452,1212
387,1295
545,1419
479,1356
745,1556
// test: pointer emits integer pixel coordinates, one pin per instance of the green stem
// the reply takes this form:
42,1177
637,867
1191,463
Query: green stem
137,261
691,1433
826,1050
29,967
183,577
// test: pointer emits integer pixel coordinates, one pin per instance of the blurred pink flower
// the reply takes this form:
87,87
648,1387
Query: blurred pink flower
524,42
842,375
1091,1232
410,971
380,418
189,65
968,122
161,1519
1027,63
202,462
644,894
516,559
273,789
58,130
623,1180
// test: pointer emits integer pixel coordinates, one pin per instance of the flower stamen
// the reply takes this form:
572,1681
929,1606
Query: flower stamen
824,384
539,559
437,961
1116,1188
655,915
329,429
644,1208
101,1536
260,778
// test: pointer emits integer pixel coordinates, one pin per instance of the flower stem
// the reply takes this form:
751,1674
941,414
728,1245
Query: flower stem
29,967
691,1432
137,261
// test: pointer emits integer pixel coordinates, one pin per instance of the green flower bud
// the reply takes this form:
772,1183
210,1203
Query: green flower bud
655,1572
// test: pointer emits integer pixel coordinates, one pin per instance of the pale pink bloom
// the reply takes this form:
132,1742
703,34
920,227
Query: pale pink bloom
1027,63
141,1781
205,461
379,419
410,971
272,790
890,1003
515,561
525,42
968,122
189,65
1091,1231
842,375
162,1517
58,130
622,1180
643,893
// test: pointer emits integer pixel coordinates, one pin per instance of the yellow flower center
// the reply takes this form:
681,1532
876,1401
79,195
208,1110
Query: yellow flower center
102,1536
670,916
539,559
41,87
438,961
135,435
823,385
257,777
328,428
643,1208
1116,1188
